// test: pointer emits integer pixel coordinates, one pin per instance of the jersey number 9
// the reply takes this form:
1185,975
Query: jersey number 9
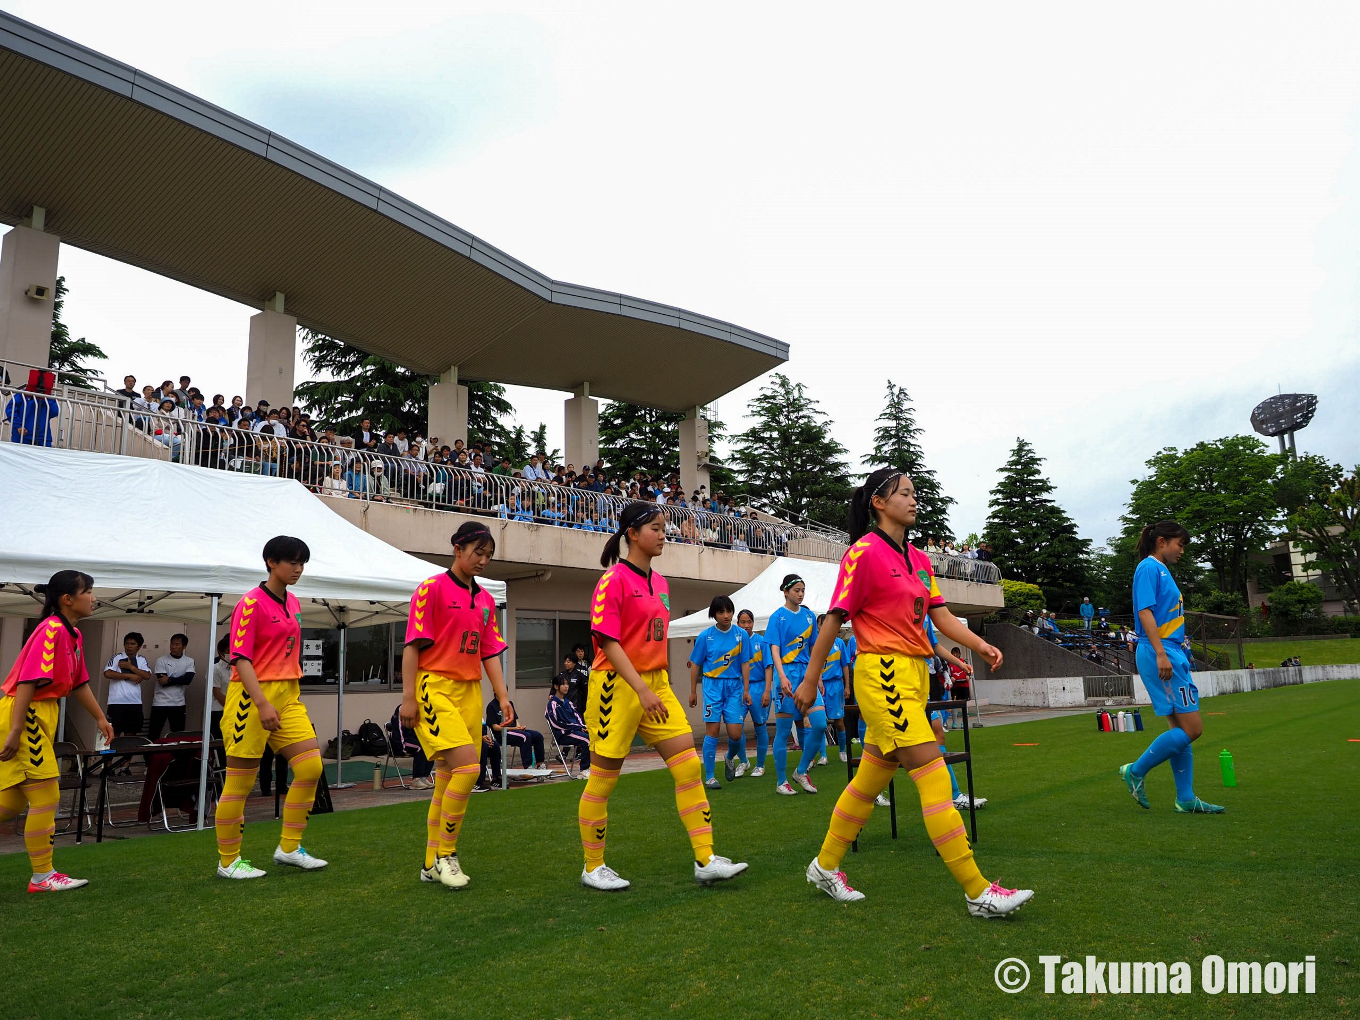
918,610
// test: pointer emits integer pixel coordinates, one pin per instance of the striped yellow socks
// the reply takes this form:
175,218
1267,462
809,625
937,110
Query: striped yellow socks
945,827
41,827
592,814
231,812
853,808
692,802
441,782
453,806
297,806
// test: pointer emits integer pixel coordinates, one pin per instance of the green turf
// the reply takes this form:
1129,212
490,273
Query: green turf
156,935
1324,652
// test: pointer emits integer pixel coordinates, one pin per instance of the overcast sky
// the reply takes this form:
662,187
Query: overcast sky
1105,228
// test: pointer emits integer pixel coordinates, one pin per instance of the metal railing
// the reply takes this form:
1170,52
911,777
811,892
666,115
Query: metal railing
104,425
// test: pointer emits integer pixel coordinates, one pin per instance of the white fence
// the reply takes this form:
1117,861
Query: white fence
1072,691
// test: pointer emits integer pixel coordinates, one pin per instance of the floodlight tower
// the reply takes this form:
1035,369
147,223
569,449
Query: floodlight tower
1282,415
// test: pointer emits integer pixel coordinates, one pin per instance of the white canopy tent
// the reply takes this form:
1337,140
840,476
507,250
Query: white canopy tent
184,543
762,595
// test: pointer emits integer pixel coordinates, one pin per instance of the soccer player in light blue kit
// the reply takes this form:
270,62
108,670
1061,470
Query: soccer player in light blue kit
1165,669
834,676
759,705
790,633
721,654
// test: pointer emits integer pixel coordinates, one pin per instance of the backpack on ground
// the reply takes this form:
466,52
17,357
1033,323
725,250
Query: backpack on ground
372,740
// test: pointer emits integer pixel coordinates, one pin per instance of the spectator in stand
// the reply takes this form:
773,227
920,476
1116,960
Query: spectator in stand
335,485
388,447
181,393
166,392
365,438
529,742
129,391
30,415
126,672
174,672
196,410
401,442
568,726
167,432
234,411
380,488
1094,656
1088,613
984,552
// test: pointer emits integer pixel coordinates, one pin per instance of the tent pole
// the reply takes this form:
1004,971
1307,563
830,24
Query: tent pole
207,719
61,720
340,783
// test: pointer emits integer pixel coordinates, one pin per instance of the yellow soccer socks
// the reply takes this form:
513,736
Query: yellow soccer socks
231,812
41,827
945,826
453,806
441,782
692,802
853,808
297,806
592,814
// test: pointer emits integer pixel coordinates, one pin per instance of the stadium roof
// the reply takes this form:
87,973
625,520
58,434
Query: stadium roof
135,169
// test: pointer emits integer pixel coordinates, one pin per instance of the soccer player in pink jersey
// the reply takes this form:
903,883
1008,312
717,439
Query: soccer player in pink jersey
630,614
451,636
886,587
50,666
264,707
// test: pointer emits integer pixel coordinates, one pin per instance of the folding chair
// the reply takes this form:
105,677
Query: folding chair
395,752
179,782
70,781
561,752
123,744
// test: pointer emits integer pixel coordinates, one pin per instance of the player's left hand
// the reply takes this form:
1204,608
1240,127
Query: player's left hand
746,699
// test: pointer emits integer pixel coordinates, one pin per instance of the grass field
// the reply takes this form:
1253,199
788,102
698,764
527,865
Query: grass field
1323,652
155,935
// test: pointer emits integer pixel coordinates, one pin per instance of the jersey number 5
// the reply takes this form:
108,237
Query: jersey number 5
656,631
471,639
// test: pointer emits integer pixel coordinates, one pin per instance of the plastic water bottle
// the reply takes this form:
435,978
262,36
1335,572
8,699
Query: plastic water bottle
1123,723
1138,720
1226,763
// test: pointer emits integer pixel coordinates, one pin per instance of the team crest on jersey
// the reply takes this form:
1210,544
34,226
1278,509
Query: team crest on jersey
486,615
665,600
925,578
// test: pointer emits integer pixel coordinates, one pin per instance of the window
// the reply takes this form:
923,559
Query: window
372,656
542,641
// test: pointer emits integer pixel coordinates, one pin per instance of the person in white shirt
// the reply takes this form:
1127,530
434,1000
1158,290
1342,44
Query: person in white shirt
335,485
126,672
174,672
221,676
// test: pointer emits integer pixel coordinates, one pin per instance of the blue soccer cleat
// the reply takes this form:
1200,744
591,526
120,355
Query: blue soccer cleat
1135,785
1198,807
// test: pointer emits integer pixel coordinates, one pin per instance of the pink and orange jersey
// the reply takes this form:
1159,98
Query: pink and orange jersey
52,659
887,592
267,631
455,626
634,609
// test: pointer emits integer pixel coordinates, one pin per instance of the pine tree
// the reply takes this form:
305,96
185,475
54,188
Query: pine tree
1032,538
66,355
517,448
539,441
897,445
789,457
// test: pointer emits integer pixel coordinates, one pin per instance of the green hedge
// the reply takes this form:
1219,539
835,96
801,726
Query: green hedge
1021,596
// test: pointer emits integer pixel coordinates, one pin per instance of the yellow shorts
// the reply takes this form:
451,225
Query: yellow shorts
450,712
242,734
35,758
891,691
614,713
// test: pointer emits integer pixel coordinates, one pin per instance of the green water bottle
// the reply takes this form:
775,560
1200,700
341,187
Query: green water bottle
1225,761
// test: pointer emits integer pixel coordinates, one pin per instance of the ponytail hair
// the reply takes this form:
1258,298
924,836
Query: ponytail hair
60,584
475,532
634,515
861,515
1169,530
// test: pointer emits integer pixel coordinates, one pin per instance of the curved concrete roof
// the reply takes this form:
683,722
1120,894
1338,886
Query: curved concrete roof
138,170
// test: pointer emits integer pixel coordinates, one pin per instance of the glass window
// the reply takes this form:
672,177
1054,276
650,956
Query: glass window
367,653
542,640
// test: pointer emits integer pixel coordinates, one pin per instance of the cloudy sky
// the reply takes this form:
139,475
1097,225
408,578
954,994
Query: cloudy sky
1106,229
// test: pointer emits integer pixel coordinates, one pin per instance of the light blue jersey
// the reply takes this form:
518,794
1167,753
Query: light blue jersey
1154,588
835,662
760,659
794,634
719,654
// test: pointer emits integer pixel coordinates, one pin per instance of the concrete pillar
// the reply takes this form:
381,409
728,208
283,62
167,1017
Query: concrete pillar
271,355
448,418
28,287
583,428
694,452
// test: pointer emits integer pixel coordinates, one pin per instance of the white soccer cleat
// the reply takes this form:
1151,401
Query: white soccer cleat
961,802
787,789
998,901
844,757
584,774
57,882
804,782
604,878
718,869
741,769
821,760
833,883
757,772
239,868
451,874
882,800
430,874
299,858
712,784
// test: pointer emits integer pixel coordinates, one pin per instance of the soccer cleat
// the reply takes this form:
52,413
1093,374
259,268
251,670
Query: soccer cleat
1198,807
712,784
299,858
730,770
833,883
804,782
757,772
481,788
844,757
741,770
57,882
961,802
451,875
604,878
998,901
787,789
718,869
239,868
821,760
1135,784
882,800
430,874
584,774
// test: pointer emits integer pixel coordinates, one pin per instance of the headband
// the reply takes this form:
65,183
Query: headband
887,484
791,582
641,516
474,535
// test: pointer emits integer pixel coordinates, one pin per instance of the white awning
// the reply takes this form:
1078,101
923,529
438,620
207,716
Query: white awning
160,539
762,595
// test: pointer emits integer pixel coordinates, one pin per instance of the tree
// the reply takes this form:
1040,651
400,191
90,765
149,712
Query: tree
636,438
66,355
517,447
1032,538
1323,504
539,442
1294,605
1224,492
897,445
1020,596
789,457
363,386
